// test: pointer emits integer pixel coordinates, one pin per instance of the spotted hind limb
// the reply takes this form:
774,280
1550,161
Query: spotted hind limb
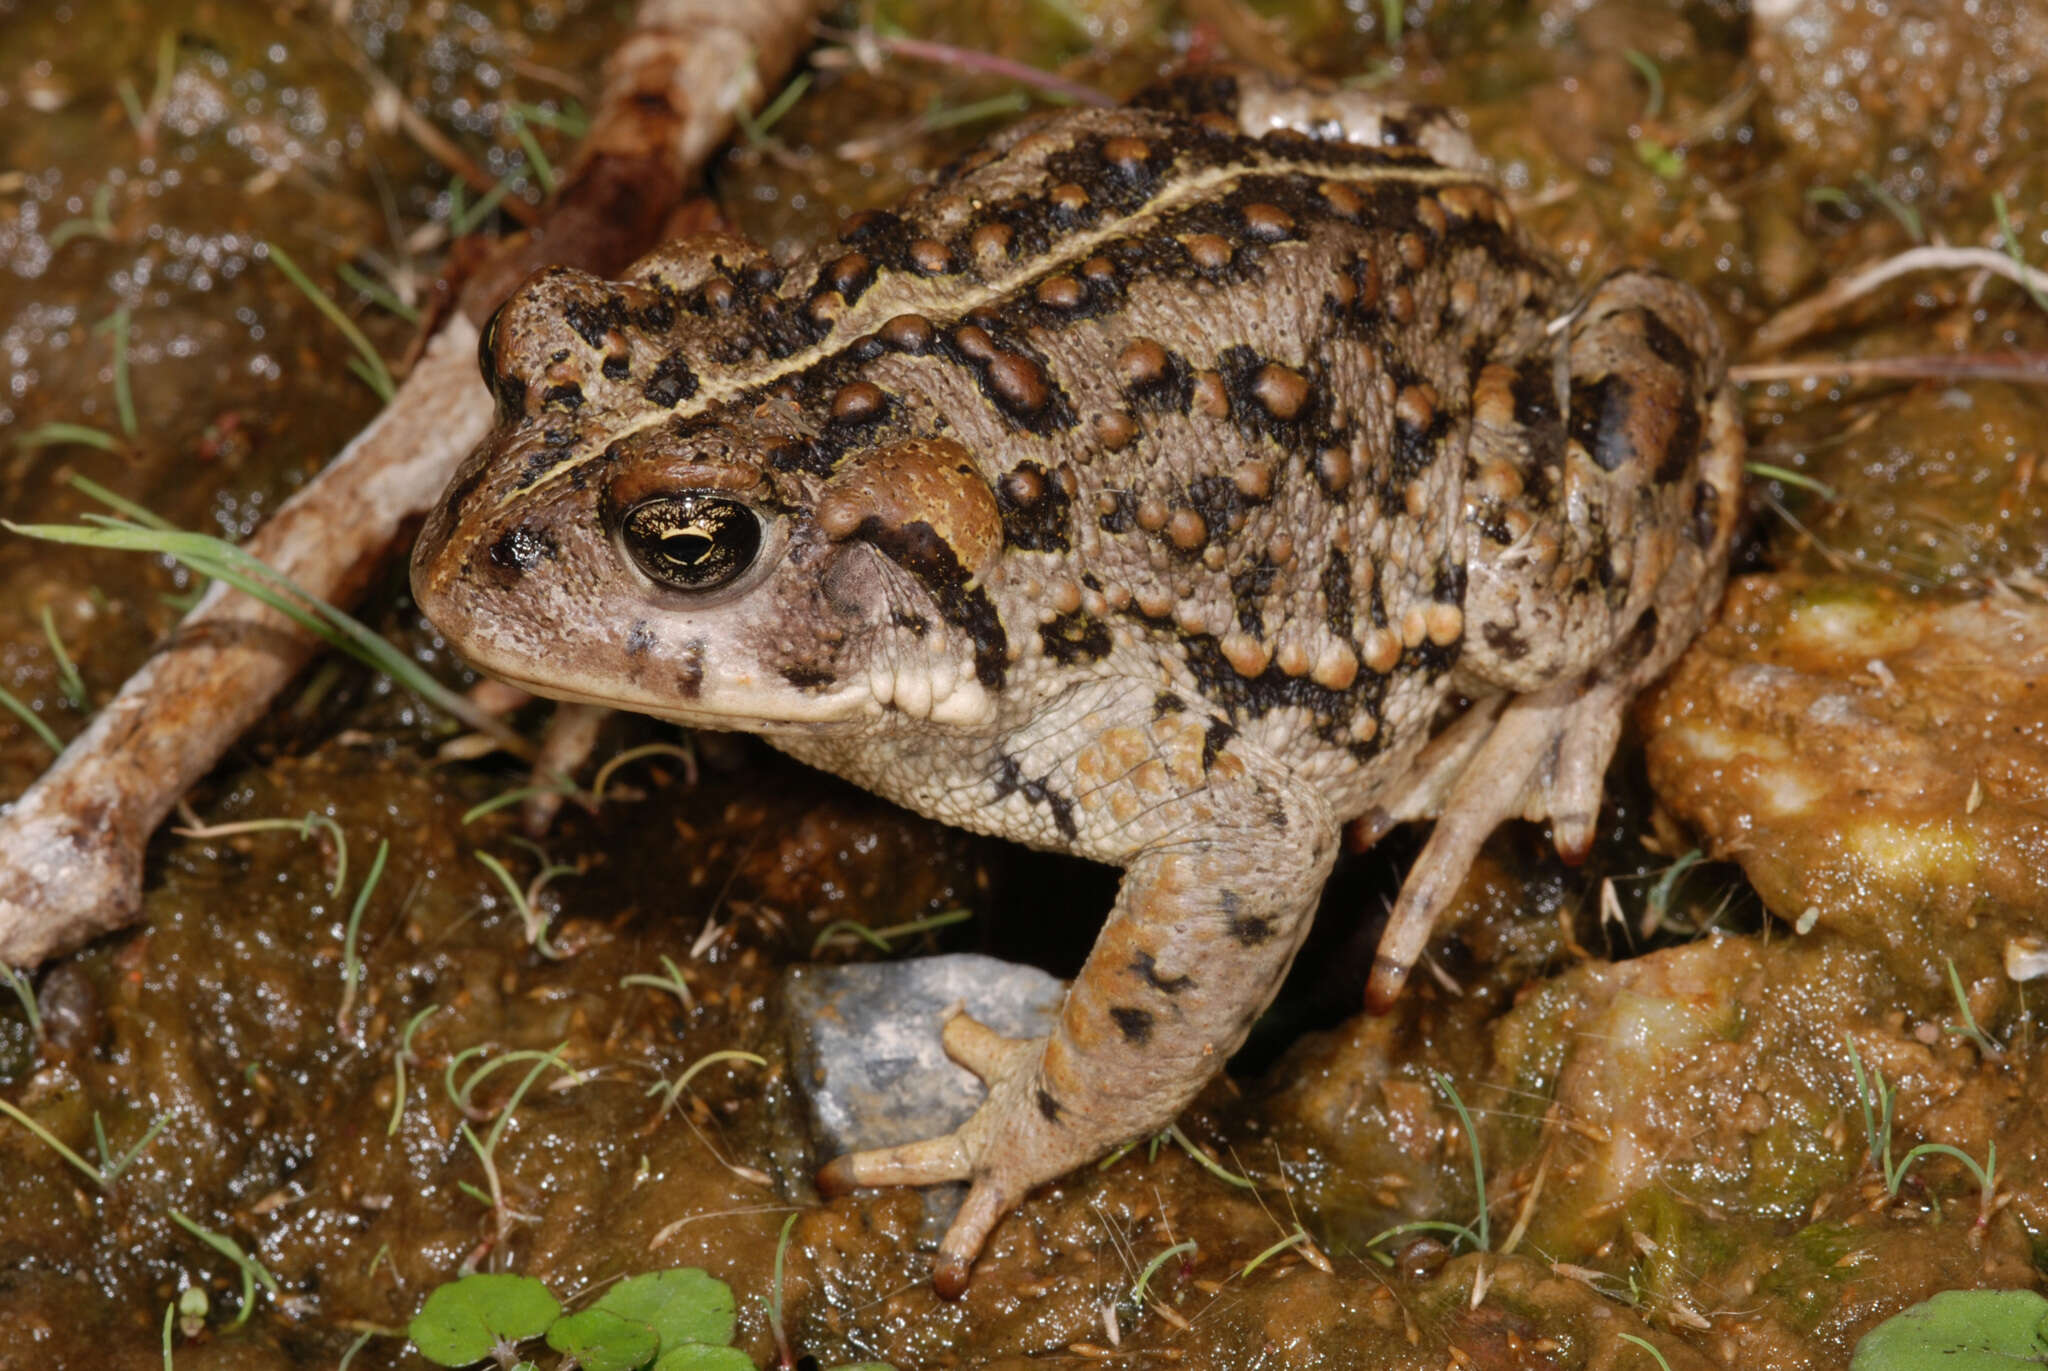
1224,855
1604,479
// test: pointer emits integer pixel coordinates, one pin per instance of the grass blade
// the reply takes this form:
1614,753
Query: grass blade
381,375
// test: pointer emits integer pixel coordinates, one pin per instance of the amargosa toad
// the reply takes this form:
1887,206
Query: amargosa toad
1168,485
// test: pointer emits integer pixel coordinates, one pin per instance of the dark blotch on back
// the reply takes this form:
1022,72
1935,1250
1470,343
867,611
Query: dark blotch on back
671,383
1039,523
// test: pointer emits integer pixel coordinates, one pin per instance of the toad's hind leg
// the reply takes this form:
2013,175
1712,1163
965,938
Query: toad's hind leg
1224,854
1601,488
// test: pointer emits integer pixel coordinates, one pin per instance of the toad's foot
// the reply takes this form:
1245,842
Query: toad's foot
1007,1147
1224,852
1544,755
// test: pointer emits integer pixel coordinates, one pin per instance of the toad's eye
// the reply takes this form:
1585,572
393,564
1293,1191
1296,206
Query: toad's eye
692,542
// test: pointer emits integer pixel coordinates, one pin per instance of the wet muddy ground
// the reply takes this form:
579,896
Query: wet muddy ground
1830,834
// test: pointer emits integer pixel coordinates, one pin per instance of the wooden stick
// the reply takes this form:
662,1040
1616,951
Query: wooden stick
1795,322
71,846
2021,368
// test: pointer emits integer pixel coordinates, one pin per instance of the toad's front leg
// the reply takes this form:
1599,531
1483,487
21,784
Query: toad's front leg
1224,853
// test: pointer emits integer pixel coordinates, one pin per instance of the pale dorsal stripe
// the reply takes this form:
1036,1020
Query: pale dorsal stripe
957,295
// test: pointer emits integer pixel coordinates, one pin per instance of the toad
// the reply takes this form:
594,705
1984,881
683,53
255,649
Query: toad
1169,485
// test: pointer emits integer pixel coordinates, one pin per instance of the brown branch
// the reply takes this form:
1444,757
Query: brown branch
971,60
2021,368
71,846
1795,322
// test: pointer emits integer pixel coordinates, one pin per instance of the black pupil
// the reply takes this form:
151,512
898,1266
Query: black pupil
693,542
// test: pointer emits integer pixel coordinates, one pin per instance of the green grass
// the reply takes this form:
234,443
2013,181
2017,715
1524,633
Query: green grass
110,1168
505,799
68,679
370,363
1875,1096
124,387
1299,1235
219,560
1649,1347
351,959
13,704
675,983
880,938
305,828
98,224
940,117
1908,217
376,292
60,434
252,1271
1968,1027
569,121
672,1090
25,992
775,1322
1140,1286
1786,476
535,923
464,217
486,1147
2010,238
1477,1235
756,126
536,159
399,1061
1646,67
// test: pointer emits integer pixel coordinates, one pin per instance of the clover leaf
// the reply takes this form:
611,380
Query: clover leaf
467,1320
1960,1330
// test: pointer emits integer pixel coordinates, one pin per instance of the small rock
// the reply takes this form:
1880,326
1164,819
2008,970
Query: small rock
864,1042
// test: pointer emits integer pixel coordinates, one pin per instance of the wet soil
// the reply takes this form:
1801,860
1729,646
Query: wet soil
1841,798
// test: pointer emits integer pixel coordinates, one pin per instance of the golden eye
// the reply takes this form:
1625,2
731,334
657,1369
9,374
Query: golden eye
691,541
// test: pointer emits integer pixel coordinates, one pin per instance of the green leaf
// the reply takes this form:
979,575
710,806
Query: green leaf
1960,1330
464,1321
698,1356
600,1340
682,1305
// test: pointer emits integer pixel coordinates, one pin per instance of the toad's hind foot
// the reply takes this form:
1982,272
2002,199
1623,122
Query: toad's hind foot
1507,772
1006,1066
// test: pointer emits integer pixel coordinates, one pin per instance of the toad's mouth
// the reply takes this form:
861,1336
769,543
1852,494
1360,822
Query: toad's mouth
733,703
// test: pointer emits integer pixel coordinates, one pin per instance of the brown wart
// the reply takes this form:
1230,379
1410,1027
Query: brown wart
929,481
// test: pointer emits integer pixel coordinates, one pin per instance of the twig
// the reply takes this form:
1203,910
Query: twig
2020,368
1789,325
969,59
439,146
